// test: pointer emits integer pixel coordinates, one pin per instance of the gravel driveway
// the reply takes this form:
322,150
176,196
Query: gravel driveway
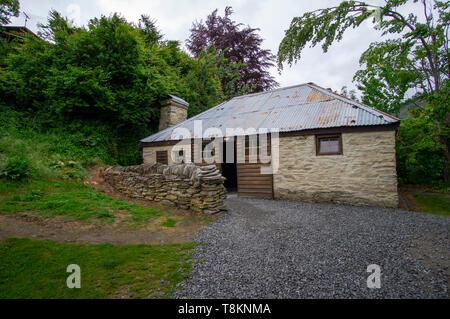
283,249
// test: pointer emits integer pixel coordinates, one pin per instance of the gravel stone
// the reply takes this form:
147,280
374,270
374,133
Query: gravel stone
287,249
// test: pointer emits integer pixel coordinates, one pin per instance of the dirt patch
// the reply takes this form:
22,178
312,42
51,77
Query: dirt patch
28,225
119,232
407,202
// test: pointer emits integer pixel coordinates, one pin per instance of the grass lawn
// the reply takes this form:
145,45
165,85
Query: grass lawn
434,203
71,198
37,269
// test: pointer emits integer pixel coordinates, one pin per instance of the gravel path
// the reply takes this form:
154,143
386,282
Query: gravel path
284,249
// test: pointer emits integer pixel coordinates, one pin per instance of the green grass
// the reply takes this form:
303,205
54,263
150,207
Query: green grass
80,143
37,269
71,198
169,222
434,203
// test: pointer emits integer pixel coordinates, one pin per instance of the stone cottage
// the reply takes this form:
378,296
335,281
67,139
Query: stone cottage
320,146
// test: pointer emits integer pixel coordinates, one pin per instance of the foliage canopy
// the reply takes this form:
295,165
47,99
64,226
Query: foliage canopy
8,9
417,56
241,46
111,72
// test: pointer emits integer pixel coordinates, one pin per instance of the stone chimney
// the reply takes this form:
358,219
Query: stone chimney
173,111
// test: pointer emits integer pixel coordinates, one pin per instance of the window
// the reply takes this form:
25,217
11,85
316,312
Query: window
179,156
161,157
252,148
209,153
329,144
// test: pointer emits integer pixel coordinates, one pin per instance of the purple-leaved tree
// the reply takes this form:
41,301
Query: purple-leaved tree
240,45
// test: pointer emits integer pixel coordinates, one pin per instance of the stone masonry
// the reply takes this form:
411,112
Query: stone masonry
364,175
171,114
185,186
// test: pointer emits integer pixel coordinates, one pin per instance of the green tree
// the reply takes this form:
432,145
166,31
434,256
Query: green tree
57,25
203,80
109,73
351,94
149,30
423,46
416,57
387,75
420,152
8,9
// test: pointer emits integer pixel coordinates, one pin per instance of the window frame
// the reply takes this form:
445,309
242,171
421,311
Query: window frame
179,155
165,156
252,158
204,151
337,136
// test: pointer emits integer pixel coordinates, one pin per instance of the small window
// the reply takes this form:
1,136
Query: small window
209,153
179,156
329,144
252,148
161,157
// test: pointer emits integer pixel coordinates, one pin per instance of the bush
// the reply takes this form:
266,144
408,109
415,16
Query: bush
16,169
420,153
62,151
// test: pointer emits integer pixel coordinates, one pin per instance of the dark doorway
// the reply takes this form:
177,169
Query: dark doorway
229,170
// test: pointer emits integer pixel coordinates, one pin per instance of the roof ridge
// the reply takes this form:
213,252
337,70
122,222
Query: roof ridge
364,107
284,106
271,91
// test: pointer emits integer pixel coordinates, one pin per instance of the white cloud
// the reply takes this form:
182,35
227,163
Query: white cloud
74,13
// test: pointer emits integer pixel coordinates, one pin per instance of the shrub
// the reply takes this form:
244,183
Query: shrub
16,169
420,153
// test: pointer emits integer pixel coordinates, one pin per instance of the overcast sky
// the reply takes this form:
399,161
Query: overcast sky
174,18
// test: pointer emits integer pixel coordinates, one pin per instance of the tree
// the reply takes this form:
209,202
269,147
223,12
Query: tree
387,75
110,73
417,58
351,94
204,82
423,46
239,45
56,24
149,30
421,154
8,9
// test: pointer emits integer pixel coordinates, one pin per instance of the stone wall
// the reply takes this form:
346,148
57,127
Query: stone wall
364,175
182,185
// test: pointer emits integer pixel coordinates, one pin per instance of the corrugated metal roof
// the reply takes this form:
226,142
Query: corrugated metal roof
296,108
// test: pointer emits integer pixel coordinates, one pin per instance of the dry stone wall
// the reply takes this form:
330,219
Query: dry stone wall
182,185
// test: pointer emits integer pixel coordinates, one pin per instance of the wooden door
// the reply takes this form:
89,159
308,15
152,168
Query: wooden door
251,183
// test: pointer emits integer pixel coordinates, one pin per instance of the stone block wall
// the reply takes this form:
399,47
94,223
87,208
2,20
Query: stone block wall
185,186
365,174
